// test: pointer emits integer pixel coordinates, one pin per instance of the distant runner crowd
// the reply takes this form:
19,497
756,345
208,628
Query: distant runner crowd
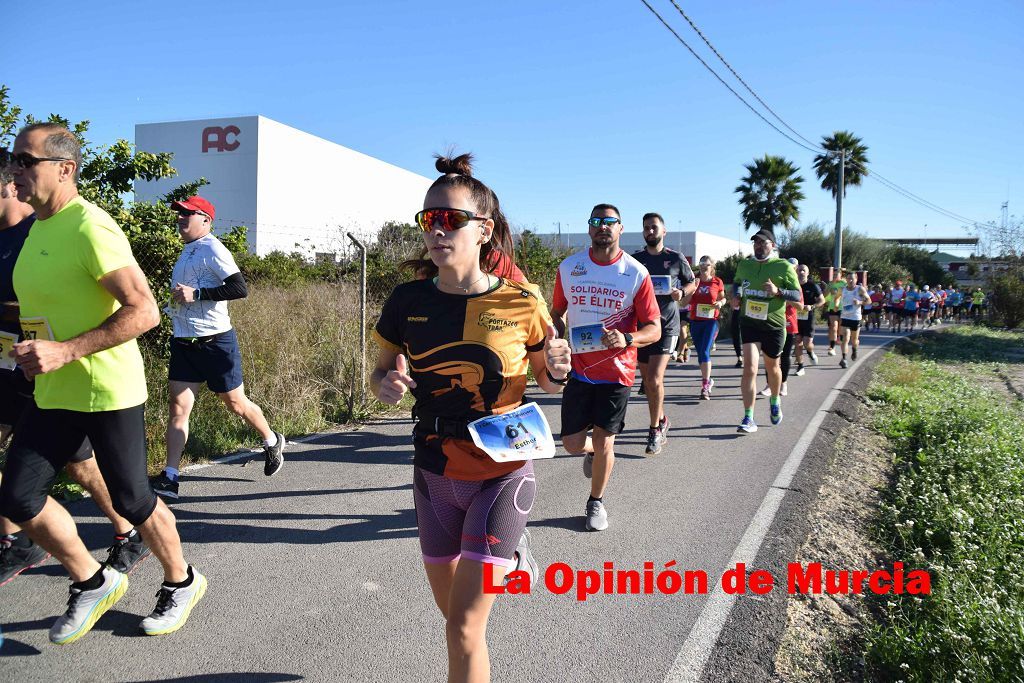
462,336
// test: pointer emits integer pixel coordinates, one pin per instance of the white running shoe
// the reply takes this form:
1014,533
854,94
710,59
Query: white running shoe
784,391
767,391
86,607
597,516
173,605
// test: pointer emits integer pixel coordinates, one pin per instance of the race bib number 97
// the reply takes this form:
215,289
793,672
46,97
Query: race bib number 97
583,338
518,435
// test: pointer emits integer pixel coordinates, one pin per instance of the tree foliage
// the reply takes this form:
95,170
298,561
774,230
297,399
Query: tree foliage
725,270
812,244
538,259
107,176
1006,292
770,193
826,166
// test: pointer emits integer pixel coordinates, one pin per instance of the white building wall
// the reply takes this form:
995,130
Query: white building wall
211,149
312,191
292,190
696,244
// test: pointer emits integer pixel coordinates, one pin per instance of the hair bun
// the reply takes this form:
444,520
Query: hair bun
460,165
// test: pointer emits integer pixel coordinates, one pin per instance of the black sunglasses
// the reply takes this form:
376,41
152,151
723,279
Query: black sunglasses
187,213
26,160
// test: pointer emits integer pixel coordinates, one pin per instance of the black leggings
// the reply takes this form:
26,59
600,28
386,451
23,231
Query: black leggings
47,439
734,330
787,353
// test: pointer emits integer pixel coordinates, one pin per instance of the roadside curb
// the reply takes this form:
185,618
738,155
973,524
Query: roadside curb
746,648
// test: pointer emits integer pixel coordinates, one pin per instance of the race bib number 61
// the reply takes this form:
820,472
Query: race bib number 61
518,435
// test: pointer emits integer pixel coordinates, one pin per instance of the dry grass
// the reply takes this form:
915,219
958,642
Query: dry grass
300,353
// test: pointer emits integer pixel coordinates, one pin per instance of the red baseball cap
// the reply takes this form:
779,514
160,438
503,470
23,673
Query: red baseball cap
196,203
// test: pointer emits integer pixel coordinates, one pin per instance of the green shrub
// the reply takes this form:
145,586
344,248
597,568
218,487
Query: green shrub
956,510
1006,294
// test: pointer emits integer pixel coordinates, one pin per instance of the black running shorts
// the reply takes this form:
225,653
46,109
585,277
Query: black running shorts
771,339
47,439
586,405
663,347
15,395
850,324
805,328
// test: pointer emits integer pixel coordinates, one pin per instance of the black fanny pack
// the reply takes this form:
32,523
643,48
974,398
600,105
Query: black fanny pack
443,427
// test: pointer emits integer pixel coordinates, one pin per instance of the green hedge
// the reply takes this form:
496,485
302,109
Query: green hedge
957,510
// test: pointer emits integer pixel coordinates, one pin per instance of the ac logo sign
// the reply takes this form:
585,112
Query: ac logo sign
216,138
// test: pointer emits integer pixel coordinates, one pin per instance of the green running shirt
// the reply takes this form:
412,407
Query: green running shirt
756,307
57,278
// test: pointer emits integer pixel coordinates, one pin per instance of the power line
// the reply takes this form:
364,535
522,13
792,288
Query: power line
818,149
882,180
740,78
722,81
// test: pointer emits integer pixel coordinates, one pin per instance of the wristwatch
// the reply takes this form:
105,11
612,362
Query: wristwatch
629,339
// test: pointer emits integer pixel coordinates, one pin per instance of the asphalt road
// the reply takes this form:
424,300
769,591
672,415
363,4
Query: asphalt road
315,574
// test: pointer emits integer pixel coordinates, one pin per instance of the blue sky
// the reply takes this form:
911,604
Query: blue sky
569,103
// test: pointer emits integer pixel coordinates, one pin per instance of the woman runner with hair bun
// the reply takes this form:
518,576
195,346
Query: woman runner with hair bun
469,337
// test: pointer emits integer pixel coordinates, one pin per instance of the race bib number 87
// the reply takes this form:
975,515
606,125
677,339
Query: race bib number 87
37,328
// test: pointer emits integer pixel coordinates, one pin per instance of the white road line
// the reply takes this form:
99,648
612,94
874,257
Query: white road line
697,648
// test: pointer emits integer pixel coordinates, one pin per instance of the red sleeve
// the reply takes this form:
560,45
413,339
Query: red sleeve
505,267
558,300
645,304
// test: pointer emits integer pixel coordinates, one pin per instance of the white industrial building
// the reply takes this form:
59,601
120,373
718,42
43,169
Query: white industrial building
292,190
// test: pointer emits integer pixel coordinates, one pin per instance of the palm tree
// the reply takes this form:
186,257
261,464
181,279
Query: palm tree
769,193
826,166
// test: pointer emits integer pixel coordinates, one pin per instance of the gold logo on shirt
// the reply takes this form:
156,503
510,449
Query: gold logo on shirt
493,323
417,319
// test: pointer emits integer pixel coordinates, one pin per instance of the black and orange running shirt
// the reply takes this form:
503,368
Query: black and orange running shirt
468,356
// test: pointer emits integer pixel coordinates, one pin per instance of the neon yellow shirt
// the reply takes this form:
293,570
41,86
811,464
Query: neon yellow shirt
57,278
978,298
834,300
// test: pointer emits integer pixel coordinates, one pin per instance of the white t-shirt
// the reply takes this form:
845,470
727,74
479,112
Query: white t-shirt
617,295
204,262
851,310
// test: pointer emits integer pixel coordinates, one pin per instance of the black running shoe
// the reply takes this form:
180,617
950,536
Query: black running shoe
739,362
15,560
125,554
853,356
163,486
654,441
274,456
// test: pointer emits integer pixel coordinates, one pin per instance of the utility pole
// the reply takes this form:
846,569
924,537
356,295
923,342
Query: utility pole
559,224
837,257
